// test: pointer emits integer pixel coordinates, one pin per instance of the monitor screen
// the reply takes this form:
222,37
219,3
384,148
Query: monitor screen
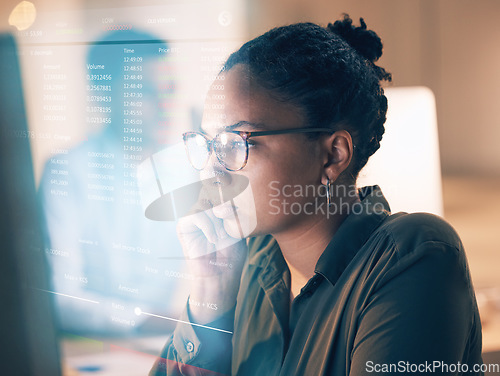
28,338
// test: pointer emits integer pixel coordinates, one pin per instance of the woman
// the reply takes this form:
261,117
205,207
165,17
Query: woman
325,281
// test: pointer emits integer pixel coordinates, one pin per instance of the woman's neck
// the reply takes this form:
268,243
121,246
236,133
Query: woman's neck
303,245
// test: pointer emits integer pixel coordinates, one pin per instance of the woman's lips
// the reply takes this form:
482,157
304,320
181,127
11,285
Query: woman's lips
224,211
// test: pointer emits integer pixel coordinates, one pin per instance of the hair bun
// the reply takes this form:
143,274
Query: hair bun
366,42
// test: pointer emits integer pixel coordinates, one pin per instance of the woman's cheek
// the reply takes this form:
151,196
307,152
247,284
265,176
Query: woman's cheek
243,220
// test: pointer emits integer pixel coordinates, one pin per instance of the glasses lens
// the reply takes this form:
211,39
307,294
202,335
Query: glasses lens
197,149
231,149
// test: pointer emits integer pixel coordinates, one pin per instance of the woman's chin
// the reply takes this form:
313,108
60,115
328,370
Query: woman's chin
238,228
233,228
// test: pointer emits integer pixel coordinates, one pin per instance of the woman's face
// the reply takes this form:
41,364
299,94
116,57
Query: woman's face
284,171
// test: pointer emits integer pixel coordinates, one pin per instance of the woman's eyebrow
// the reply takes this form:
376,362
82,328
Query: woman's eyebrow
248,126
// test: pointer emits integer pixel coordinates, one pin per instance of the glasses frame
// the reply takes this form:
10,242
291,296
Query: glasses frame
245,136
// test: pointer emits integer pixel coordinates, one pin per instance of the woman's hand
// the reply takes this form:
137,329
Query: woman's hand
216,261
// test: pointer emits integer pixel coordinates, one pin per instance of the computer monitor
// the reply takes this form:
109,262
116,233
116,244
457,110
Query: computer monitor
27,337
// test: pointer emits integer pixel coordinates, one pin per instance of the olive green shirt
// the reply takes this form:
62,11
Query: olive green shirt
391,294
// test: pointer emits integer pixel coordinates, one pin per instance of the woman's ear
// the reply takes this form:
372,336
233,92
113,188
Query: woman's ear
338,150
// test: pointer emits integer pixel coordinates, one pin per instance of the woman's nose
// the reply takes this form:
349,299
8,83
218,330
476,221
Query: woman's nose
216,181
214,169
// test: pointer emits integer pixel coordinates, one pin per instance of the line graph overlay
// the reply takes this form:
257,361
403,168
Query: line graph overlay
69,296
138,312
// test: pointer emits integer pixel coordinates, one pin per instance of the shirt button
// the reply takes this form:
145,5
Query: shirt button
189,346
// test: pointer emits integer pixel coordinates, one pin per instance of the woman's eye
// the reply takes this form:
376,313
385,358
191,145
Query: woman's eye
237,145
251,143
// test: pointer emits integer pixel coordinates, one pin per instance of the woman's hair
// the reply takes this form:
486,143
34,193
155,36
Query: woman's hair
329,72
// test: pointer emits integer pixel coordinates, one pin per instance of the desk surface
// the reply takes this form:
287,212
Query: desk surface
131,357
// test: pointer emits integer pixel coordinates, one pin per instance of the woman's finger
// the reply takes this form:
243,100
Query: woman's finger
193,224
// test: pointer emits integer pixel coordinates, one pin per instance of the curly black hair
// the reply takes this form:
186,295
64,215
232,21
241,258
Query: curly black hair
329,72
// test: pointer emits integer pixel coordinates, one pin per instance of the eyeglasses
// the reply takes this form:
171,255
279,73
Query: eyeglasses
230,147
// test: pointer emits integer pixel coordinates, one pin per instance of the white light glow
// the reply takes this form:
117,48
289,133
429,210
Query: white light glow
23,15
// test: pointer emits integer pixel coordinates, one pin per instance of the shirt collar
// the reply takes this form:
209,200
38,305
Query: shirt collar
364,218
